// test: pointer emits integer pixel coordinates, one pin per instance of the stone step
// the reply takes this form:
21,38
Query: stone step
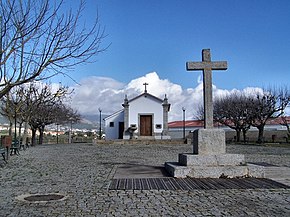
180,171
277,172
211,160
230,171
176,170
218,172
283,181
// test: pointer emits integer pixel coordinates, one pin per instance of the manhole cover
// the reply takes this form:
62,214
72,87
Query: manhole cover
35,198
44,197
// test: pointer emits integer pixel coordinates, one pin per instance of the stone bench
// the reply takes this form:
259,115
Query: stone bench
24,146
15,148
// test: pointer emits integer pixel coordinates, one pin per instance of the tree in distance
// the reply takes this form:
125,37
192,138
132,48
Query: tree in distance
38,105
240,111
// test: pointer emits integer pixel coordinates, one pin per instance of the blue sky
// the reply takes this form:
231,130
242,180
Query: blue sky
162,35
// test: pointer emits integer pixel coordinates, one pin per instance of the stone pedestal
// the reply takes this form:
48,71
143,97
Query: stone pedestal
209,159
209,142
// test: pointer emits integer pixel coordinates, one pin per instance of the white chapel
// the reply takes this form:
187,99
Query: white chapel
143,117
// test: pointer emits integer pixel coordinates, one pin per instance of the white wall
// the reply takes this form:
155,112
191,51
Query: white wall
113,132
146,105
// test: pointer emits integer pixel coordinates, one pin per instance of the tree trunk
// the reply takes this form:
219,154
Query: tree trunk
261,134
24,136
10,128
33,138
238,134
41,131
245,135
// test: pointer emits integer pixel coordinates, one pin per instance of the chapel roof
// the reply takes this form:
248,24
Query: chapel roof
146,94
114,114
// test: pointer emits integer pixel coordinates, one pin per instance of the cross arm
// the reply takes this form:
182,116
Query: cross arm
219,65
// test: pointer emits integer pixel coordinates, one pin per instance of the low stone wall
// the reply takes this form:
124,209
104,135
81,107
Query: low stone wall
275,136
140,141
252,136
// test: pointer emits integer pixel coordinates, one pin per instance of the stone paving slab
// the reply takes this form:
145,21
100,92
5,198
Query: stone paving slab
83,173
140,171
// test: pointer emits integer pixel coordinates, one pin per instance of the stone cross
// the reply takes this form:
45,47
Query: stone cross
207,66
145,84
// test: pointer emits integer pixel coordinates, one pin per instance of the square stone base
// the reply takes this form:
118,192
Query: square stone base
209,142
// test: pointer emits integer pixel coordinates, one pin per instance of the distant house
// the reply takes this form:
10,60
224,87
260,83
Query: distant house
143,117
175,128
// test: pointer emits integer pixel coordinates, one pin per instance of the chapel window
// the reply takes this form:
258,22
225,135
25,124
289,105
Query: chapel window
158,126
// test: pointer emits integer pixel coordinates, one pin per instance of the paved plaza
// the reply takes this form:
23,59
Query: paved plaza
83,172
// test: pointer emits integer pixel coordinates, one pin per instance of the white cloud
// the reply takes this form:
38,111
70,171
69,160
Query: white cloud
199,79
97,92
156,86
108,94
287,111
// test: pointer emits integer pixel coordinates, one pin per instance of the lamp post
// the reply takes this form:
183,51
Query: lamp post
183,109
100,129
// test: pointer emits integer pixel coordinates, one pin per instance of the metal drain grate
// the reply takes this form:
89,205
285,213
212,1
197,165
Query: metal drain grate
193,184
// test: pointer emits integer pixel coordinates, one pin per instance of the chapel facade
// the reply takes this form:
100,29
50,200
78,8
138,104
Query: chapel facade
143,117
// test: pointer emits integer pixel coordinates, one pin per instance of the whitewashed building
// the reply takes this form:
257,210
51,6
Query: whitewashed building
143,117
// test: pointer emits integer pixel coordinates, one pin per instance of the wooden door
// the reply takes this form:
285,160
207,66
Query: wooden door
145,125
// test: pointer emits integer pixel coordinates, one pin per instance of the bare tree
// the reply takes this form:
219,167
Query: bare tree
8,110
286,122
240,111
38,40
57,113
270,104
231,111
11,108
44,107
38,105
199,114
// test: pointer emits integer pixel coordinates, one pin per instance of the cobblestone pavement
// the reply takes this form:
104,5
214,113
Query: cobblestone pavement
83,173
